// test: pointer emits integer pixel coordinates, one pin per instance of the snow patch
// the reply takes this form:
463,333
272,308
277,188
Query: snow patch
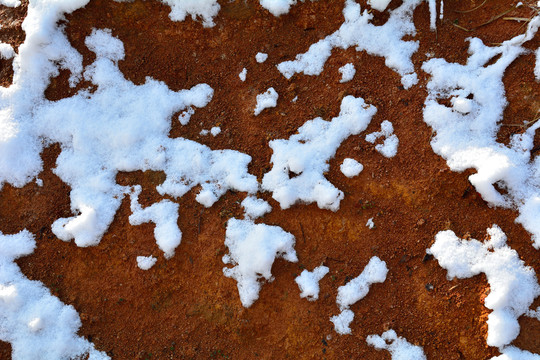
266,100
379,5
164,214
399,347
355,290
10,3
351,168
347,72
300,162
358,31
370,224
261,57
390,145
466,132
308,282
252,251
146,262
6,51
513,286
204,9
35,323
255,208
243,74
277,7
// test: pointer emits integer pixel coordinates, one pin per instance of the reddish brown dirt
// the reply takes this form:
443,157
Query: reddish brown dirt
184,307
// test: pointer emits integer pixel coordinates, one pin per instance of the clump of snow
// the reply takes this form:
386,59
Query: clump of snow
185,116
355,290
277,7
243,74
146,262
35,323
351,167
399,347
266,100
347,72
514,353
379,5
308,282
39,182
513,285
261,57
300,162
124,127
390,145
205,9
255,208
252,250
358,31
10,3
164,214
370,224
343,321
215,131
6,51
466,133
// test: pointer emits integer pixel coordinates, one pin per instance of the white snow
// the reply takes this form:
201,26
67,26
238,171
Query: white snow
466,133
252,251
215,131
390,145
10,3
205,9
308,282
164,214
351,168
343,321
146,262
261,57
185,116
399,347
255,208
358,31
379,5
35,323
124,127
243,74
266,100
347,72
513,286
277,7
355,290
514,353
370,224
6,51
300,162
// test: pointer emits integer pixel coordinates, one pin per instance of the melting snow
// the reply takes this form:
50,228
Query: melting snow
308,282
399,347
255,208
146,262
390,145
266,100
252,251
358,31
261,57
351,168
355,290
347,72
513,285
35,323
300,162
243,74
466,133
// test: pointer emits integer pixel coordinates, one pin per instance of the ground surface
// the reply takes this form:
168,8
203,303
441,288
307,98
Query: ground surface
184,307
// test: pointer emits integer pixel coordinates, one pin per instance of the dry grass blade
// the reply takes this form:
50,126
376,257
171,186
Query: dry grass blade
487,22
471,10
